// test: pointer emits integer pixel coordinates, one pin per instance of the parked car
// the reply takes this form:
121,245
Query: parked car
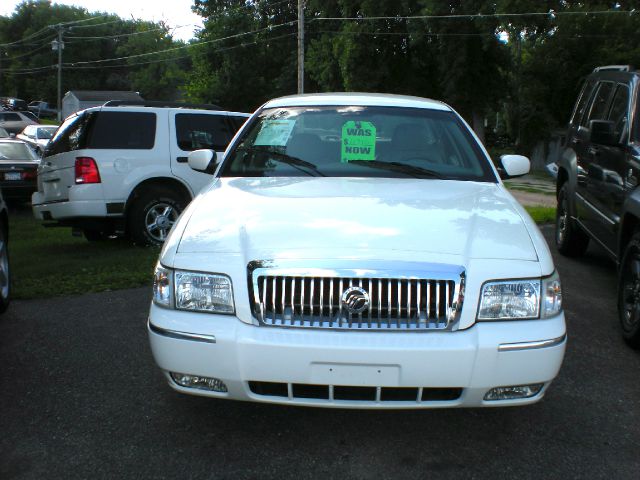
42,109
360,251
4,133
122,168
15,122
597,186
18,170
11,103
5,270
37,136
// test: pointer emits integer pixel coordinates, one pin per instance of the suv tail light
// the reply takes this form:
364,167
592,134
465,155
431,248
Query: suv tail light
29,174
87,171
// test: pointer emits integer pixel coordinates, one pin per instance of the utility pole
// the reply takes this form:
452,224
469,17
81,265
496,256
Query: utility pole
300,46
1,53
59,46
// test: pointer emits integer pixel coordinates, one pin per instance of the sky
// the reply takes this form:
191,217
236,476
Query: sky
176,13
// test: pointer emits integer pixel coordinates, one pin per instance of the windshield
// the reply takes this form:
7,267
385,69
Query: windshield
46,132
636,129
15,151
357,141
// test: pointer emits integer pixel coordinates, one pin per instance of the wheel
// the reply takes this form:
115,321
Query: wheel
629,292
5,272
153,214
571,241
93,235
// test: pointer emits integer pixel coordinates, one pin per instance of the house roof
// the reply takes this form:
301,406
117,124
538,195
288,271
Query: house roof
104,95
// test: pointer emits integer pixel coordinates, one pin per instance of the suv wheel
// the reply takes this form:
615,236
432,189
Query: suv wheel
570,240
5,273
153,214
629,292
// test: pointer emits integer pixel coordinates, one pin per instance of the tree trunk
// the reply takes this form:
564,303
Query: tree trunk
478,125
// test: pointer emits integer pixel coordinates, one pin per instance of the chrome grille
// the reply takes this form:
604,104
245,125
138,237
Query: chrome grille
395,303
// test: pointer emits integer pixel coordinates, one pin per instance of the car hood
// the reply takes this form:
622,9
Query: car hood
340,216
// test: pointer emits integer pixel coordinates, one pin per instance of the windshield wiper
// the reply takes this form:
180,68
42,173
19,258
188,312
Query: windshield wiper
411,170
295,162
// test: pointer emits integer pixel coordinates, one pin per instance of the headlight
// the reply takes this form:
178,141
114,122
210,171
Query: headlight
203,292
521,299
162,286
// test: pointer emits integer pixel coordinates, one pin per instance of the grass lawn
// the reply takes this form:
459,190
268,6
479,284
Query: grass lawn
47,262
542,215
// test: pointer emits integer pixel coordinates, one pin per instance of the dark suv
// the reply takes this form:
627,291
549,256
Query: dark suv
597,189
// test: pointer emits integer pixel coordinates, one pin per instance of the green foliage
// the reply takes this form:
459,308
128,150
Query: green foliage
241,73
246,54
542,215
103,38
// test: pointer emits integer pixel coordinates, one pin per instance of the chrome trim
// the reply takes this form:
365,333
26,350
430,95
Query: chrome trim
421,308
513,347
195,337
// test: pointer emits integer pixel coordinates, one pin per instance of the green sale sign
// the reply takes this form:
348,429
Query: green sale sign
358,141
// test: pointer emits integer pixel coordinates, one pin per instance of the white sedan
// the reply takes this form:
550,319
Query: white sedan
37,136
358,251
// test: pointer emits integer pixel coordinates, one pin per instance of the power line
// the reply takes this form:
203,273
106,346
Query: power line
407,33
30,71
46,44
223,49
551,14
111,22
197,44
46,29
200,43
117,35
29,37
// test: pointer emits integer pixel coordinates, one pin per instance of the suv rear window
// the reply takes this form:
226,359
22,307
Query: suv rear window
122,130
194,131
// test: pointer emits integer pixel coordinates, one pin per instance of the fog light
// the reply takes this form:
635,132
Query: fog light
514,392
202,383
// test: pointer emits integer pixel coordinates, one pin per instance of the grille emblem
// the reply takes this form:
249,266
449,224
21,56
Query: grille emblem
355,300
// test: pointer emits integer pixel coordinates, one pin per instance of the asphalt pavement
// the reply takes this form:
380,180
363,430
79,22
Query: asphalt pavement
80,397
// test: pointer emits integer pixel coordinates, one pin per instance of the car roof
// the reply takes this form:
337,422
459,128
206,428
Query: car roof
139,108
358,99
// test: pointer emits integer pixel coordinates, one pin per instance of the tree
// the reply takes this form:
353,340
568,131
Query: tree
242,72
30,65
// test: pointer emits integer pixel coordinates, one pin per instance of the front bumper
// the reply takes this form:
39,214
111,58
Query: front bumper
474,360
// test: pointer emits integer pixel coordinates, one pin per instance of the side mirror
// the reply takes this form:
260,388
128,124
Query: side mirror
514,166
203,161
603,132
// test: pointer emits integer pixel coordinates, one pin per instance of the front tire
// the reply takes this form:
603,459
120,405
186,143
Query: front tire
153,214
5,271
629,293
571,241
